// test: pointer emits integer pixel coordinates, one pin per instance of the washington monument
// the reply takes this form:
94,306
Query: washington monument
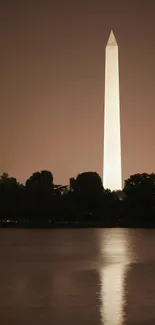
112,169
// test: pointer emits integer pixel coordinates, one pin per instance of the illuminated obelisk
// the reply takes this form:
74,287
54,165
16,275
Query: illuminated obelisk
112,170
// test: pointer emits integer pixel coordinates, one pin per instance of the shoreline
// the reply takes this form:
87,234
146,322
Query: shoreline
59,225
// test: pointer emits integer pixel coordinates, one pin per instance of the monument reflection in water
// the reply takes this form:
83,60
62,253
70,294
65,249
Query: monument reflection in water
116,261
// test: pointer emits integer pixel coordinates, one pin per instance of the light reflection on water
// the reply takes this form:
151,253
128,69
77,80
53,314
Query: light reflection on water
114,247
112,293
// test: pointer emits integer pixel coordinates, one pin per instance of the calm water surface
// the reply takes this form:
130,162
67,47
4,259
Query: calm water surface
77,277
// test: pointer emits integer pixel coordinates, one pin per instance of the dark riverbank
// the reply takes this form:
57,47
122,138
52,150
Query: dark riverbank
65,225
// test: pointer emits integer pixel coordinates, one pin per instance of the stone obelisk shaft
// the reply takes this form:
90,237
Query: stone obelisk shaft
112,169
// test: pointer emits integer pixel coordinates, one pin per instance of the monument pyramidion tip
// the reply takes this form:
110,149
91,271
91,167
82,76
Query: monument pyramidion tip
112,40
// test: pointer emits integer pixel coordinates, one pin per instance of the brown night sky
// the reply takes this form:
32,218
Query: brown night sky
52,85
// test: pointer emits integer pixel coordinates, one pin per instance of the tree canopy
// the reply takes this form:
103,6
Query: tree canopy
83,201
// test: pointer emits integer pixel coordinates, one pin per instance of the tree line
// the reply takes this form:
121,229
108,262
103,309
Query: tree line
84,202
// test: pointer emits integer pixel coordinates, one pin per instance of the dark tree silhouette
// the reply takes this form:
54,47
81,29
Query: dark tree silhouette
72,184
139,190
140,186
39,189
41,180
88,184
84,202
88,190
9,196
8,182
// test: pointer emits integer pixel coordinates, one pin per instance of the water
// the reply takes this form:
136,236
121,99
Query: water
77,277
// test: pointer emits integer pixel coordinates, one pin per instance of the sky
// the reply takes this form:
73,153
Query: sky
52,60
